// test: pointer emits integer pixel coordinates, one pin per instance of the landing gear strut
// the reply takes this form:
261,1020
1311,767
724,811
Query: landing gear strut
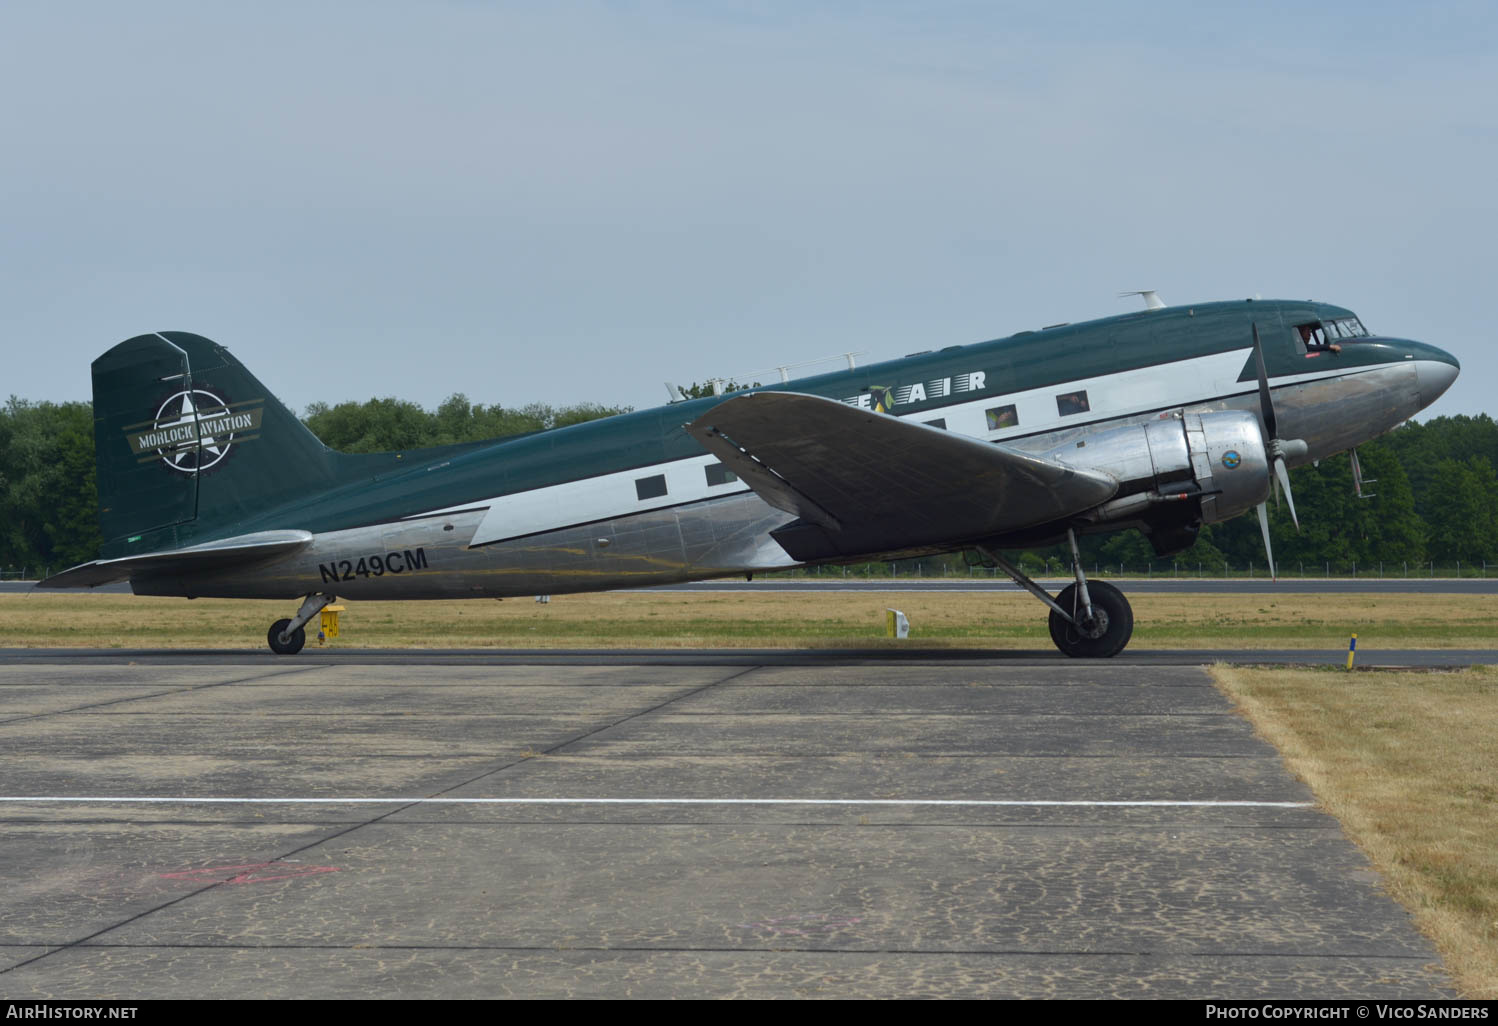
287,637
1089,621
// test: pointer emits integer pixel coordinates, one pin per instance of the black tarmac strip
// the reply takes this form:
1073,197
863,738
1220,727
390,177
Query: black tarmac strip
609,825
1367,658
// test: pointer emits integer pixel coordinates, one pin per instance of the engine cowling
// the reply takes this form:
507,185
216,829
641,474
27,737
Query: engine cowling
1215,461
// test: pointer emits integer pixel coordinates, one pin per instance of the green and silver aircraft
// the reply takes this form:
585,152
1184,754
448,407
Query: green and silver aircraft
1160,420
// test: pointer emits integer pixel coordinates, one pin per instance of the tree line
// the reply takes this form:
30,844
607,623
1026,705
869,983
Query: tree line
1435,493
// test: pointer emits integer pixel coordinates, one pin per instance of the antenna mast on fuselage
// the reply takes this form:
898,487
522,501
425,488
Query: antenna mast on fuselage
1152,300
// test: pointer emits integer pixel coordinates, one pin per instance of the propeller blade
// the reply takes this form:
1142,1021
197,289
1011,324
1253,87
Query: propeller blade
1274,447
1266,406
1263,509
1282,479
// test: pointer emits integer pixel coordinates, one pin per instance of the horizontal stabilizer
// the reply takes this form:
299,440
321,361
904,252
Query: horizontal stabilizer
219,555
872,482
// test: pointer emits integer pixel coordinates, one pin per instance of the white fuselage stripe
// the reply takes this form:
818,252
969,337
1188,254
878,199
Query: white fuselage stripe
1109,396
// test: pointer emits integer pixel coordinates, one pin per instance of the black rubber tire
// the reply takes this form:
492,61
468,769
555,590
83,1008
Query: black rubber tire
1108,604
292,647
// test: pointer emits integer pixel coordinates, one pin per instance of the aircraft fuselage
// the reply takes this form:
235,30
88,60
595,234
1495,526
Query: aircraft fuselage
634,501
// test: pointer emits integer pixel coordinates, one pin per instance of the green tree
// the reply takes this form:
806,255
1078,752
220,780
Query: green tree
48,497
1421,447
1203,554
705,390
396,425
1129,548
379,425
1463,519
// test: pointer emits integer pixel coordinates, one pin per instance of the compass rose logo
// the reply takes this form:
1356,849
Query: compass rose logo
193,430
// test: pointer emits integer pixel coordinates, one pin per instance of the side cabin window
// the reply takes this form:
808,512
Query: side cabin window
650,487
718,474
1068,403
1001,417
939,422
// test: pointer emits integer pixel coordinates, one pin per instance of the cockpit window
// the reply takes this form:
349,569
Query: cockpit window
1314,338
1348,327
1311,336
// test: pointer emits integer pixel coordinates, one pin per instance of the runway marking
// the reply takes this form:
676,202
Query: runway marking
940,802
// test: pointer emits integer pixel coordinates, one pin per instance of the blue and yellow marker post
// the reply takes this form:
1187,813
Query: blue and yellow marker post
1352,647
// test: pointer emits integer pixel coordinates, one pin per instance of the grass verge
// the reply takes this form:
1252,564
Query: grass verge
1000,620
1408,763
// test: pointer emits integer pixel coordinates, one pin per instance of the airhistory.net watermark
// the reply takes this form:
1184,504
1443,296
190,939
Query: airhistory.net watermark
50,1011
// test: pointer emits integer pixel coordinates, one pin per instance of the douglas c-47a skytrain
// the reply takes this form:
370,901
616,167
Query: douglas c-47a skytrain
1160,420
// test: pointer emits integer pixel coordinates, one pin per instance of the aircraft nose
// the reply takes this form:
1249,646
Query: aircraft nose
1434,376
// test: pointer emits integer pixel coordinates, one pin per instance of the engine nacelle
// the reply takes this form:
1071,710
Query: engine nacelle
1215,459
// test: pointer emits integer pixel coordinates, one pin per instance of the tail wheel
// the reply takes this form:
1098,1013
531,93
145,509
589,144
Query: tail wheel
292,645
1105,635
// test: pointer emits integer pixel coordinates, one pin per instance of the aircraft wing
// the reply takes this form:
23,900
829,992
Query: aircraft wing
219,555
867,482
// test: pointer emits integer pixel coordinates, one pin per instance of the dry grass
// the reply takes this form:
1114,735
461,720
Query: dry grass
748,619
1408,762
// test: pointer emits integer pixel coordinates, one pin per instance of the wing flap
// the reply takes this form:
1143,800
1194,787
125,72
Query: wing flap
770,486
219,555
871,481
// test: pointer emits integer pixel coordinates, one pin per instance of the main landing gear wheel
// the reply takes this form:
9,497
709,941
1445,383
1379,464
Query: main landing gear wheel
294,641
287,637
1105,634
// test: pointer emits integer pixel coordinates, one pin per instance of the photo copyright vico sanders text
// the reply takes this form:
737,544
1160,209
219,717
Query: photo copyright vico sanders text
1359,1011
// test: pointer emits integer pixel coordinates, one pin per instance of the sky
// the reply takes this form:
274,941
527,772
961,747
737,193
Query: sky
564,202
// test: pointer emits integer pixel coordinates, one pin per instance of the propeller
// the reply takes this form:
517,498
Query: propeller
1264,527
1276,449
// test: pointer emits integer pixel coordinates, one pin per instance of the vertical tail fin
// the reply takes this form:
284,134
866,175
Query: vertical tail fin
188,442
